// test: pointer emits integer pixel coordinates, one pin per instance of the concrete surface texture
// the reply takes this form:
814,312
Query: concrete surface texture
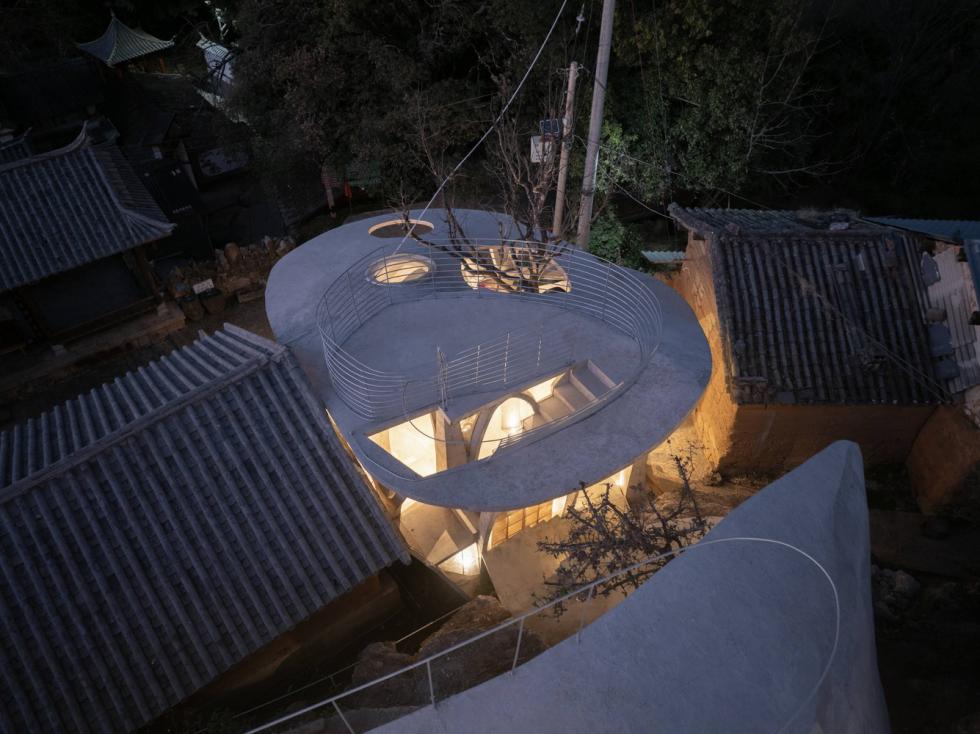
731,637
587,450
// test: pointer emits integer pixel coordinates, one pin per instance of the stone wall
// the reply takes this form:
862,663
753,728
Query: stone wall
771,439
944,464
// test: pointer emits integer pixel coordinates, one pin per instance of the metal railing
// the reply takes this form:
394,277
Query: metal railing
586,594
571,280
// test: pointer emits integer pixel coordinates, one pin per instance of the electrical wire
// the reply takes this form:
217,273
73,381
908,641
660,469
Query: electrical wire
490,129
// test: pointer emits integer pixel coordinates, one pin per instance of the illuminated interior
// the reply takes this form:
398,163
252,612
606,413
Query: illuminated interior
399,268
506,420
410,443
505,269
466,562
544,390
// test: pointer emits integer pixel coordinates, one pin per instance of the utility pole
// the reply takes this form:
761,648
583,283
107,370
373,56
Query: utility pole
566,146
595,124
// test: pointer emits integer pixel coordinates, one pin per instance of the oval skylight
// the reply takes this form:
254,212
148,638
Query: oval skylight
401,267
398,228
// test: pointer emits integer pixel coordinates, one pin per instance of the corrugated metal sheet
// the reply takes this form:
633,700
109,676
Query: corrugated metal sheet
664,256
160,528
950,294
121,43
783,343
63,209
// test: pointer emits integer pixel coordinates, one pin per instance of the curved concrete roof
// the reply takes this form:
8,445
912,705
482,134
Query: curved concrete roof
588,450
729,638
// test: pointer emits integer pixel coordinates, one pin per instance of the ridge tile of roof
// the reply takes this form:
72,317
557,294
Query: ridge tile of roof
159,529
68,207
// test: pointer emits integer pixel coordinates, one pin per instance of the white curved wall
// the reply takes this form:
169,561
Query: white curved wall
728,638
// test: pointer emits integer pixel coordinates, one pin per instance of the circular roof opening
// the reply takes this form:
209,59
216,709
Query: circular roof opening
401,267
399,228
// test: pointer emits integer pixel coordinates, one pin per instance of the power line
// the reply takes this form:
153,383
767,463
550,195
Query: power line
645,206
490,129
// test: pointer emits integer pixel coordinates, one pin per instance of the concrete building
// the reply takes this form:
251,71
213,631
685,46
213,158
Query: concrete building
482,383
164,535
817,327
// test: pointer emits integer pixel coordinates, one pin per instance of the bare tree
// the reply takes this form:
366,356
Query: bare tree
522,259
605,539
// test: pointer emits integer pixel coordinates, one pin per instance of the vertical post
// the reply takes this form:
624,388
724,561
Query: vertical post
506,356
581,617
343,718
517,647
605,290
477,364
353,300
443,373
432,690
595,124
566,149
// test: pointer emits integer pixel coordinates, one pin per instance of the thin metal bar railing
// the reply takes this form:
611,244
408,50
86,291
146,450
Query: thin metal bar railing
590,590
591,287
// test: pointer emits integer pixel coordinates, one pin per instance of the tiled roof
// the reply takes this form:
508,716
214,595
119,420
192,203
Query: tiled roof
16,149
160,528
812,314
63,209
121,43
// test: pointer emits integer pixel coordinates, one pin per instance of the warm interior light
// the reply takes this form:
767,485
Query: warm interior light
465,562
411,443
507,420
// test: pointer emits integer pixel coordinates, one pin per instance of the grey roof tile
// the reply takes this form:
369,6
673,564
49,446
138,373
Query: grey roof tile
160,528
121,43
812,314
65,208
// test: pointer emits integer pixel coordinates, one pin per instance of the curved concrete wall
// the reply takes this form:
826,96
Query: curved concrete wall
727,638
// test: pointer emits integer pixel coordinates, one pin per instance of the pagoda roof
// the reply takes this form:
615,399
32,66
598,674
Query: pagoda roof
121,43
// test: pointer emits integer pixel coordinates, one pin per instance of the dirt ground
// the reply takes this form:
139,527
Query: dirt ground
250,315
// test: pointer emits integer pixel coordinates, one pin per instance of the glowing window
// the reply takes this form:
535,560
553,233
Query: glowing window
399,228
466,562
507,420
411,443
497,269
399,268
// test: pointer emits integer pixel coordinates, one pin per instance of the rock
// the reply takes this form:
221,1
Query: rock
221,260
892,592
481,660
905,586
233,253
284,247
381,658
936,528
454,672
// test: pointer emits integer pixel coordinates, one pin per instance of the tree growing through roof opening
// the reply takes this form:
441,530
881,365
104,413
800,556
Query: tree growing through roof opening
606,540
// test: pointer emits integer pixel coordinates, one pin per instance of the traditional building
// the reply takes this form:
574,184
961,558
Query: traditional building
120,44
73,223
945,460
817,330
160,534
484,383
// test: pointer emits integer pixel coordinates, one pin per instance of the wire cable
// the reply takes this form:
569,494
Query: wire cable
486,134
